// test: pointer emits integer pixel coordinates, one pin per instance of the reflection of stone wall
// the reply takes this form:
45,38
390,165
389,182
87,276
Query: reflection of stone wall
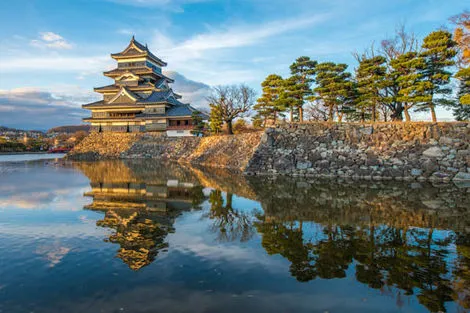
422,151
394,204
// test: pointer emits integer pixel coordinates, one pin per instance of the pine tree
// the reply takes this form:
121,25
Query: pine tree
392,48
462,106
438,54
411,86
303,71
371,80
198,123
334,88
215,119
270,104
291,97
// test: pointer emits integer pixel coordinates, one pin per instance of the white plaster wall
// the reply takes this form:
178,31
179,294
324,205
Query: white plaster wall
178,133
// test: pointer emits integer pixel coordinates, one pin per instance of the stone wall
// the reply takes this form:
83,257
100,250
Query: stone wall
383,151
232,152
107,145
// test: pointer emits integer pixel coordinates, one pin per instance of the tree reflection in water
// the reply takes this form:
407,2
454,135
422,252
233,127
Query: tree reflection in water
391,237
230,224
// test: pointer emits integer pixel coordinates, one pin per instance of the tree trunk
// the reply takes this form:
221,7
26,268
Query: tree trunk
301,114
433,113
292,115
331,113
407,115
397,113
340,116
275,117
229,127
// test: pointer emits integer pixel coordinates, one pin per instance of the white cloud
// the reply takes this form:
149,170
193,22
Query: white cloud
212,55
51,37
51,40
56,63
234,37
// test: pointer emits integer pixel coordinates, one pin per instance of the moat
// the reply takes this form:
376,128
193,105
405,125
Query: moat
145,236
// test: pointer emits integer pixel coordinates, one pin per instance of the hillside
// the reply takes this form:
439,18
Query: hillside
69,129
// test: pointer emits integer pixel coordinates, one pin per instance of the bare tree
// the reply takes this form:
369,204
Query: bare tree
316,111
232,101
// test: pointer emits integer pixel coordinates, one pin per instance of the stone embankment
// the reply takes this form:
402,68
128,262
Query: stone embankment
383,151
232,152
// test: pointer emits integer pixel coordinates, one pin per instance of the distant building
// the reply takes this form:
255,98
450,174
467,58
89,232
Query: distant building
140,100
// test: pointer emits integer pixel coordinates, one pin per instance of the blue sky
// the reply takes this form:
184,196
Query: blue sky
53,52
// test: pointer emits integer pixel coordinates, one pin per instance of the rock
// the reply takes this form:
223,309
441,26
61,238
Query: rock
440,175
434,152
461,176
446,141
416,172
303,165
434,204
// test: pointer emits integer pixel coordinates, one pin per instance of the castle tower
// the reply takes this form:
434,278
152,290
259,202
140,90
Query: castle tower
140,99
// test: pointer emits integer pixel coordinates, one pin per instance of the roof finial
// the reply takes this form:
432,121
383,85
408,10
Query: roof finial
146,47
132,38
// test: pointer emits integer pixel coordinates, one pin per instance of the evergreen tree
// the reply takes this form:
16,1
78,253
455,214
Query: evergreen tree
334,88
198,124
438,54
291,97
462,106
302,71
402,43
270,104
411,86
215,119
371,80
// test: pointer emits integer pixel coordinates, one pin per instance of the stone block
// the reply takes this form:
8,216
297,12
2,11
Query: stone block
462,176
434,152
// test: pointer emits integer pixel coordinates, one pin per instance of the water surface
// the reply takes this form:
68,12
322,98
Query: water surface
139,236
21,157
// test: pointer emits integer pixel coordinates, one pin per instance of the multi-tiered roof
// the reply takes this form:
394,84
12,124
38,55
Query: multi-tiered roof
138,84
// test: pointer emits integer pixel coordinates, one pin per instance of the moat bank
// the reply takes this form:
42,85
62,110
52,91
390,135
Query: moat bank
382,151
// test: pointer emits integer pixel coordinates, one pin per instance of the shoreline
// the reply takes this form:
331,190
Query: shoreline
25,152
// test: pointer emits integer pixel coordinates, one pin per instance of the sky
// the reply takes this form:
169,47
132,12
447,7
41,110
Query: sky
53,52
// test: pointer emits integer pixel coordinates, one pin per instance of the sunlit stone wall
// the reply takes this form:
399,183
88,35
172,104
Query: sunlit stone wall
401,151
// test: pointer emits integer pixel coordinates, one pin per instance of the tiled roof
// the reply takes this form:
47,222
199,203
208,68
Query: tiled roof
93,104
101,103
161,96
114,87
174,111
139,70
133,52
182,110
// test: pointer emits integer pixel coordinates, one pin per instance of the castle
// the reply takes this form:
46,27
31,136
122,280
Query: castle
140,99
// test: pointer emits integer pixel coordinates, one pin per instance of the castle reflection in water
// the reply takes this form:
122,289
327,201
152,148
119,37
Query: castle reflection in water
411,238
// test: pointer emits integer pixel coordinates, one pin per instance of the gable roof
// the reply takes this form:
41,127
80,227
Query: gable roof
134,49
124,91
